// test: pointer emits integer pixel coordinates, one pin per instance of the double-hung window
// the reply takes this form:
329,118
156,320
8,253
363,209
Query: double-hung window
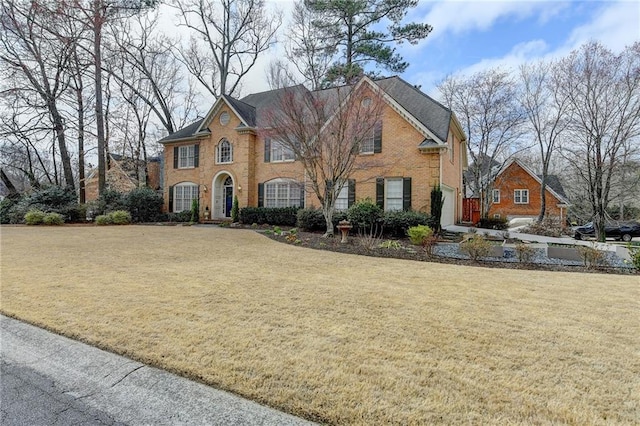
282,193
393,194
342,200
186,156
373,142
521,196
183,196
281,152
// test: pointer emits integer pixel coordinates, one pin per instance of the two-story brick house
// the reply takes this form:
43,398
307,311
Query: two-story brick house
419,143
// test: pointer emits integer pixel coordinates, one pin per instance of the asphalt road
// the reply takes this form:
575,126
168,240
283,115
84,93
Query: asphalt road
48,379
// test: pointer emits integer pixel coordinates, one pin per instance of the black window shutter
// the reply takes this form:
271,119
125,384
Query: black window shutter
406,194
260,194
267,150
380,192
171,199
176,151
196,155
352,192
301,196
377,138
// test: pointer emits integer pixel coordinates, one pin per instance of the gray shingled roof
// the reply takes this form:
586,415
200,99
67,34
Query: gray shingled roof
185,132
554,183
431,114
252,108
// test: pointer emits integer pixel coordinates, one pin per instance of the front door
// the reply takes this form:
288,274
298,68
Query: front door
228,196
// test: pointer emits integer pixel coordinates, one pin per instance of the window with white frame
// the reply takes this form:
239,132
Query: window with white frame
224,152
367,146
282,193
183,196
393,194
342,200
521,196
186,156
496,196
281,152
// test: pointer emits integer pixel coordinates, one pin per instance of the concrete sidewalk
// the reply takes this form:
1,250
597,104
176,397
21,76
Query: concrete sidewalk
47,379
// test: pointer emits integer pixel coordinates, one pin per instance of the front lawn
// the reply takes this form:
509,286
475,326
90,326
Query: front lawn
337,338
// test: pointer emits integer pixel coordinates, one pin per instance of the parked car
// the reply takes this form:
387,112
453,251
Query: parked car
623,231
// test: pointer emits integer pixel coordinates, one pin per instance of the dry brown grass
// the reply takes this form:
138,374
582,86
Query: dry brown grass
337,338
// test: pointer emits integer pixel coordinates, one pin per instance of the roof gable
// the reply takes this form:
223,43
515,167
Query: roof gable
553,182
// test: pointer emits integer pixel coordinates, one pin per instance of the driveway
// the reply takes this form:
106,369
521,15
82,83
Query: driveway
48,379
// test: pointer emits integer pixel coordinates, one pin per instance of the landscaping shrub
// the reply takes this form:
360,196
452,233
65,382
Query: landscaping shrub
181,217
111,200
437,202
592,257
313,219
195,214
5,209
103,219
51,199
34,217
417,234
366,216
476,247
524,252
53,219
492,223
634,253
549,227
397,223
120,217
144,204
283,216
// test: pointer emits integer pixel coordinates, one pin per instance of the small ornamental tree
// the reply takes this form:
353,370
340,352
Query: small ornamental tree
325,132
437,202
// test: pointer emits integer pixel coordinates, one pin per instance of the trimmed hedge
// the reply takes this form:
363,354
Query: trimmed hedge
492,223
53,219
283,216
397,223
34,217
313,219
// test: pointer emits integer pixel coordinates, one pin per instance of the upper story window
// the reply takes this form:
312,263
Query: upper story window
521,196
373,143
450,141
185,156
276,151
224,152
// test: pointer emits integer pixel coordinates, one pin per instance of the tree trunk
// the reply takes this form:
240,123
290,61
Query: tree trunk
97,41
13,192
62,145
327,211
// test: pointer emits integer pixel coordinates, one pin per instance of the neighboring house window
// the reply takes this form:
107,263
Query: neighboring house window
183,196
224,152
276,151
496,196
393,193
186,156
282,193
521,196
373,143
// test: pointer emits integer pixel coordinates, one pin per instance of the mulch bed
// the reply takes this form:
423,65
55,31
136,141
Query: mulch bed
404,250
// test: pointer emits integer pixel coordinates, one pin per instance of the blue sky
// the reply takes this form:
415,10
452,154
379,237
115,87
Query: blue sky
469,36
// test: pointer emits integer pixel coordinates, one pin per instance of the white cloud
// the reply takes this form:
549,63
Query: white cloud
616,25
458,17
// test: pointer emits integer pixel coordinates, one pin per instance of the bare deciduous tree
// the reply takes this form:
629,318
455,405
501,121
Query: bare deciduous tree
546,108
228,37
603,90
487,106
325,131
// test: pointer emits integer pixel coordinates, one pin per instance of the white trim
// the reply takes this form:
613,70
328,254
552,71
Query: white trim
213,112
522,191
533,175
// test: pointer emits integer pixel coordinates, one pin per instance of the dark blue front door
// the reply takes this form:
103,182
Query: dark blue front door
228,200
